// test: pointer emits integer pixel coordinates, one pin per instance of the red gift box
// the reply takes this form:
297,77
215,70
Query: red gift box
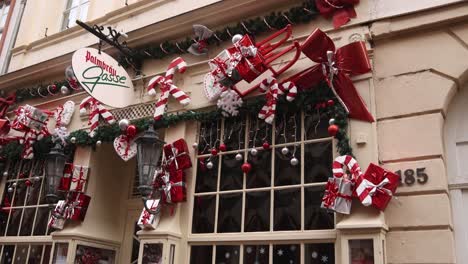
173,187
65,181
377,186
77,205
252,63
177,156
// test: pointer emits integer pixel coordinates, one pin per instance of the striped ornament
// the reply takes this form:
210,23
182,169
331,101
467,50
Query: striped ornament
168,88
350,163
273,89
96,109
28,140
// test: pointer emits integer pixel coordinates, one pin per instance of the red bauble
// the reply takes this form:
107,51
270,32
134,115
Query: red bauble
332,130
222,147
330,102
246,167
27,183
266,145
214,152
323,105
131,131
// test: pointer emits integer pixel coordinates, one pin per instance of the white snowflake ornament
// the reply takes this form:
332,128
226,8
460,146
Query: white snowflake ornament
324,259
229,102
262,251
248,250
227,255
280,252
314,254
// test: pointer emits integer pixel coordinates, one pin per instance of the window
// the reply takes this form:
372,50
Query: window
278,199
75,10
24,213
4,10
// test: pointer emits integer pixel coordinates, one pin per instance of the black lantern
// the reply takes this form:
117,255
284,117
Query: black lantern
54,165
149,148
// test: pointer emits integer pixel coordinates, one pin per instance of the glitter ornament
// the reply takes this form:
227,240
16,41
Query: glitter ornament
209,165
222,147
246,167
214,152
254,152
266,145
239,156
285,151
123,124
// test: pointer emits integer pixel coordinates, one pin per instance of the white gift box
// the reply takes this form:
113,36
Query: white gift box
147,220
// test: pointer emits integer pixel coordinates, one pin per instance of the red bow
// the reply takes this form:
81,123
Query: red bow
341,10
331,193
336,66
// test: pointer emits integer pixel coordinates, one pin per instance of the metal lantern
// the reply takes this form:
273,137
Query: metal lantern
54,165
149,148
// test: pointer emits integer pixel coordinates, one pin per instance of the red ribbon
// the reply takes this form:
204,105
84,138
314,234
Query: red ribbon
331,194
341,10
349,60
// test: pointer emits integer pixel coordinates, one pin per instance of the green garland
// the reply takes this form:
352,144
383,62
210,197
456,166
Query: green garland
305,100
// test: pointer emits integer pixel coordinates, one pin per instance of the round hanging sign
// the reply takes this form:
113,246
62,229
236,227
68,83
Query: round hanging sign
102,77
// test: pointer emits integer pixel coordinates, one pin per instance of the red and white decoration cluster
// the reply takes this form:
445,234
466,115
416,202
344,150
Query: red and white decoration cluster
75,206
169,182
375,187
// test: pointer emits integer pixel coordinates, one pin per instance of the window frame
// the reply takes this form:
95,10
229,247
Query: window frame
68,8
270,237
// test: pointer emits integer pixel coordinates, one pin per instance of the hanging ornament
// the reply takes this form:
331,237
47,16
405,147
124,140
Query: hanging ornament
202,34
214,152
209,165
14,185
123,124
195,145
64,90
131,131
330,102
52,89
332,130
10,189
27,183
96,109
253,152
73,140
285,151
331,121
266,145
222,147
229,102
246,167
239,157
5,173
98,143
236,38
125,147
36,178
294,161
273,90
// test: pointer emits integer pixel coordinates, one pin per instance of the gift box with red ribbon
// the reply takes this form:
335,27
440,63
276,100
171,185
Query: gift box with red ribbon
377,186
65,181
338,195
173,187
251,64
57,218
29,117
177,156
76,206
79,178
147,220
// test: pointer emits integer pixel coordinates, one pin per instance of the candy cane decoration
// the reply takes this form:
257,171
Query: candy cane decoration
29,138
168,88
274,89
350,163
96,110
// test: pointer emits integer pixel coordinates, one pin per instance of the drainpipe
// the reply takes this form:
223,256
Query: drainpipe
14,35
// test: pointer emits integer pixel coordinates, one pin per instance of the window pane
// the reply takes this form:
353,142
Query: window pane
152,253
21,254
286,254
41,221
227,255
46,258
3,220
287,215
319,253
84,12
285,173
73,3
314,126
257,211
33,192
361,251
60,253
35,254
203,214
259,132
316,217
288,128
209,137
234,136
201,254
231,173
260,174
229,213
20,194
8,252
28,219
207,179
256,254
15,219
318,162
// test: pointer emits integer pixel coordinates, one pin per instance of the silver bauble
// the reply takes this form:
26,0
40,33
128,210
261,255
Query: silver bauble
236,38
5,173
98,143
285,151
10,189
73,140
36,178
123,124
14,185
253,152
331,121
195,145
294,161
64,90
239,157
209,165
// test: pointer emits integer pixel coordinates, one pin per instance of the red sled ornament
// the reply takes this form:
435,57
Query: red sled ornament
340,10
377,186
246,61
76,206
335,66
177,156
339,188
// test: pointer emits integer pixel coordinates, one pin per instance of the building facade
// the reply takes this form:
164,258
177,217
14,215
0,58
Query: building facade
415,91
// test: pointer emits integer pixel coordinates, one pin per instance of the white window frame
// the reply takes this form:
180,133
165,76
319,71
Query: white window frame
270,238
4,10
68,8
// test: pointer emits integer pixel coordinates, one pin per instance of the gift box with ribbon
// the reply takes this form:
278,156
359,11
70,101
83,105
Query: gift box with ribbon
339,188
65,181
177,156
173,187
251,63
79,178
29,117
223,68
377,186
147,220
57,218
76,206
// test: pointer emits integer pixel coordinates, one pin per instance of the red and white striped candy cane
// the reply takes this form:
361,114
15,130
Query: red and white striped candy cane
350,163
274,89
28,139
96,109
168,87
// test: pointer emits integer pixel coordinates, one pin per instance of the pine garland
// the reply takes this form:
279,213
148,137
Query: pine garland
305,100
